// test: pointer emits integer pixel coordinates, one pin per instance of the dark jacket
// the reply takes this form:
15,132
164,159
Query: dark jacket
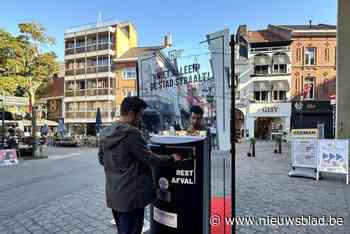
127,162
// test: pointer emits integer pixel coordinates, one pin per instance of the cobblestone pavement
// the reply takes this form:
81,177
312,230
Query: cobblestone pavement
263,189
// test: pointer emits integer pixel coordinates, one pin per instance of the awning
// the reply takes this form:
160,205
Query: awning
281,85
281,59
262,86
262,60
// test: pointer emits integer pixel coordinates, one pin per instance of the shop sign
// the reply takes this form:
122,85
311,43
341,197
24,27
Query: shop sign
270,109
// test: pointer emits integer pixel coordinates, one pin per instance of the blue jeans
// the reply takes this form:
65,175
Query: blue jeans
130,222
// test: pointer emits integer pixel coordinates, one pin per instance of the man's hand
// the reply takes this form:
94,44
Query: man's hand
177,157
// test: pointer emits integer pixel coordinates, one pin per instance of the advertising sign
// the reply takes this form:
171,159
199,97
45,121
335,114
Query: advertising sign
8,157
304,152
333,156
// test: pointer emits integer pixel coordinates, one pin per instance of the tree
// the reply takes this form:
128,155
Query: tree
24,66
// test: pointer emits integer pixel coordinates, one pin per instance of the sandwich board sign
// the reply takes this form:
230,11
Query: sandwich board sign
333,157
304,152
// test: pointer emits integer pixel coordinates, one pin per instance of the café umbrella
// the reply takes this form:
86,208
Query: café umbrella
98,120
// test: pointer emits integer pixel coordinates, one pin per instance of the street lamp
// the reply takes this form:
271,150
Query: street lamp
3,121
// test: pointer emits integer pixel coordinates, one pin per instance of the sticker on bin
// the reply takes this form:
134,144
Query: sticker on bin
165,218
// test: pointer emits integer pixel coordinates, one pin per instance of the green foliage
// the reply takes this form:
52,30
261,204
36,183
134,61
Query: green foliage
22,64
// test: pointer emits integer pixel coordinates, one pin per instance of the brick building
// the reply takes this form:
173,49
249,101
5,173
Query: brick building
313,74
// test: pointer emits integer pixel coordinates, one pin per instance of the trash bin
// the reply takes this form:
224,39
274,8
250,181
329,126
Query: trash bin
183,191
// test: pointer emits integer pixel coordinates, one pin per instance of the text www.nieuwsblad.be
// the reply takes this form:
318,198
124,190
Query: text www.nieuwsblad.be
217,220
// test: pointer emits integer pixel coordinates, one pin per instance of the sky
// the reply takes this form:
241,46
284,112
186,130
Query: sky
188,21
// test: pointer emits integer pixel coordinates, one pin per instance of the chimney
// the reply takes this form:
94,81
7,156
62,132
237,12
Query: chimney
168,42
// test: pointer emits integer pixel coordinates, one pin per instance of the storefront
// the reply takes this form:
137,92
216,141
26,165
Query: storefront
264,120
308,114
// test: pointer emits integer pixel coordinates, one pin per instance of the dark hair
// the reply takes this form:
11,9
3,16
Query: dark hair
134,104
197,110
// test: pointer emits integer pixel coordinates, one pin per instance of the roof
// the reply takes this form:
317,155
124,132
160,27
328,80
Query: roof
135,52
307,27
264,36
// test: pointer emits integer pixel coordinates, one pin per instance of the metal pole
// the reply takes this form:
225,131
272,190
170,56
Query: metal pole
137,79
3,120
233,135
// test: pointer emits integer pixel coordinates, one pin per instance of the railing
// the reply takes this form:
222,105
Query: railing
69,72
91,70
270,49
103,68
80,50
103,46
90,92
80,93
102,92
89,48
69,94
91,26
69,51
80,71
87,114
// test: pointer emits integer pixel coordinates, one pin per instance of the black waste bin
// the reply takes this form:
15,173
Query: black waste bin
183,190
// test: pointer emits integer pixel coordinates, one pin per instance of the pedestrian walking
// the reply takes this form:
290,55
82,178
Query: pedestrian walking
127,164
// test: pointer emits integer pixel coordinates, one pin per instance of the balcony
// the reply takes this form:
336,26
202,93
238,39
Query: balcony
92,69
89,48
80,71
69,51
90,92
103,68
87,114
69,72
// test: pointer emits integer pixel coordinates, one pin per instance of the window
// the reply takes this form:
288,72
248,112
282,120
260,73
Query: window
261,96
310,56
70,106
130,93
91,84
103,61
298,55
70,85
309,88
102,83
326,55
91,62
129,73
81,84
279,95
280,68
261,69
81,106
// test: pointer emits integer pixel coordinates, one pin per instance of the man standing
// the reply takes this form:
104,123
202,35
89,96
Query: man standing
127,162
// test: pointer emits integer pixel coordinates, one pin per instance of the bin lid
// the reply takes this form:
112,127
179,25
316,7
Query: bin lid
172,140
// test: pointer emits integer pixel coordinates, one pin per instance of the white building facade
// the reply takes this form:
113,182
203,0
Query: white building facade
264,91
